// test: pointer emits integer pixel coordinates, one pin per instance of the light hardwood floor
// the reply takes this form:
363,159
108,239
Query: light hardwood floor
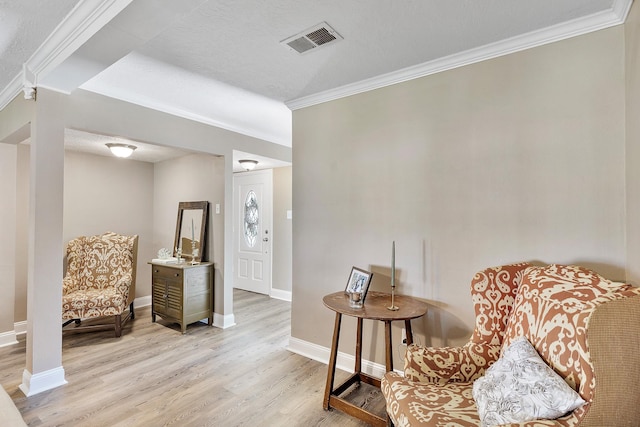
155,376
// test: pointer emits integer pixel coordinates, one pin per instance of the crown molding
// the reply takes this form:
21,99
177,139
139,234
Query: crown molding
84,20
598,21
10,91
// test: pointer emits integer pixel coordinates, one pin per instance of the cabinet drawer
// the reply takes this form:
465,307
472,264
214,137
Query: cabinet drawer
167,273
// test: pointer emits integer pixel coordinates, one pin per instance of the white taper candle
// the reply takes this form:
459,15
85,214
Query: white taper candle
393,264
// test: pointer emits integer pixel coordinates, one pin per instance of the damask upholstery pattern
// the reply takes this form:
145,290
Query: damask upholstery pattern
493,292
551,306
441,378
413,404
100,276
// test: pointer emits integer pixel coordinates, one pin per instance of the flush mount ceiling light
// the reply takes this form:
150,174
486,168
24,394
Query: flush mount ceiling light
121,150
248,164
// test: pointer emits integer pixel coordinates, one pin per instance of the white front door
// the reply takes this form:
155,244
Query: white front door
253,193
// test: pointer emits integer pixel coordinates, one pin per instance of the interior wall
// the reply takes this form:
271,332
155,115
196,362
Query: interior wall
191,178
95,113
519,158
8,156
22,230
109,194
282,229
15,126
104,193
632,155
109,116
100,194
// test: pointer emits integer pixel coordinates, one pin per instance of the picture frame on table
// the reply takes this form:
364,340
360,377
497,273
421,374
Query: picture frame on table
359,281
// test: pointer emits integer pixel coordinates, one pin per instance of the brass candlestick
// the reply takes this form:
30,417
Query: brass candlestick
393,306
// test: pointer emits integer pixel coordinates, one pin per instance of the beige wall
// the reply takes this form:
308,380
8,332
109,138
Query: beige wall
129,197
95,113
8,164
632,155
104,193
191,178
282,229
520,158
100,194
22,228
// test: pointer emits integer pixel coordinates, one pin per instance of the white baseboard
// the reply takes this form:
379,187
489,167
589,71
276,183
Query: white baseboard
224,321
20,327
280,294
8,338
142,301
345,362
42,381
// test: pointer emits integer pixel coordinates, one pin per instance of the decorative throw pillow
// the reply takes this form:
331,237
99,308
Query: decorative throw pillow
521,387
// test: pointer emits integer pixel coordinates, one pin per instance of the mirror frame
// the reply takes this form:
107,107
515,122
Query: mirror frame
182,206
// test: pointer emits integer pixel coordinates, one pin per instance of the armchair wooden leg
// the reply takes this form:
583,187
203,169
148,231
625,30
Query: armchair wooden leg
118,322
76,321
133,314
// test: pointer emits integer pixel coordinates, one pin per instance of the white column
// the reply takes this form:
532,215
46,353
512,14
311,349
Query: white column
44,369
226,318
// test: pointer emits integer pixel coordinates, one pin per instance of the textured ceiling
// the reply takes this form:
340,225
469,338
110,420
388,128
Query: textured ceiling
86,142
221,61
237,42
24,26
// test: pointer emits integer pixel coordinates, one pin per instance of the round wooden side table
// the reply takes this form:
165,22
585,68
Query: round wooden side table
374,308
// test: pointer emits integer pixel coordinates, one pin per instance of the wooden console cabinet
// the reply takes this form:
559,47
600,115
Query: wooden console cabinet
182,293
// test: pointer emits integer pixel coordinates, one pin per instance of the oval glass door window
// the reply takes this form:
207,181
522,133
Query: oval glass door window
251,219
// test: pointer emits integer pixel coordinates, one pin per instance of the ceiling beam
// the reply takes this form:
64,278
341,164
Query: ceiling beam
86,18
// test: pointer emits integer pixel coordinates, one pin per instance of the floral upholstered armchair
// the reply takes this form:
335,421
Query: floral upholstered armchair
584,328
100,280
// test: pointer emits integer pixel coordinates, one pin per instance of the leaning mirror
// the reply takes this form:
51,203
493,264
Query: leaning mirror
191,231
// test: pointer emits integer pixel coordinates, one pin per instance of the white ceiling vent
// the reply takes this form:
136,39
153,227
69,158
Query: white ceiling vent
319,35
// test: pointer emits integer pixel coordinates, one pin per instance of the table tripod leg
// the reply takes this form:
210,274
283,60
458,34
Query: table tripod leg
388,352
407,327
358,367
332,361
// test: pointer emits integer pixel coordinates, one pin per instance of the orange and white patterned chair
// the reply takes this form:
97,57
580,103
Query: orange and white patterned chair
585,327
100,280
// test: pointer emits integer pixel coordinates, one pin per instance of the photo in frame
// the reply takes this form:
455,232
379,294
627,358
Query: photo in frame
359,281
